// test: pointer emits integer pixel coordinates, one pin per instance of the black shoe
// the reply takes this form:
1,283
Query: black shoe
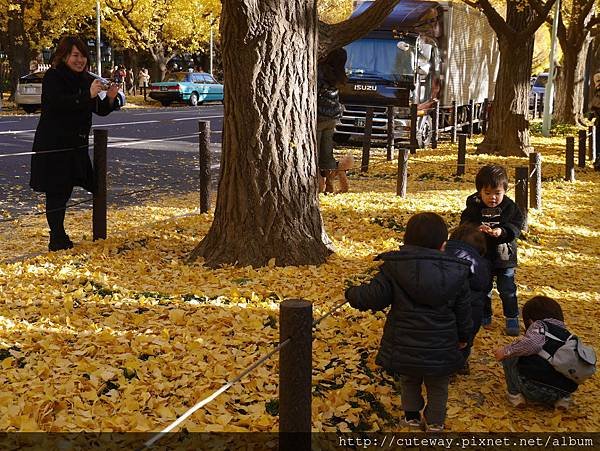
60,243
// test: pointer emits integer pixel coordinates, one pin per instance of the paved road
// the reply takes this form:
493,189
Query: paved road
147,148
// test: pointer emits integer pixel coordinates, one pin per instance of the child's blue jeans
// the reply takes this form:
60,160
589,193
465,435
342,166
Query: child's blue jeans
535,391
505,282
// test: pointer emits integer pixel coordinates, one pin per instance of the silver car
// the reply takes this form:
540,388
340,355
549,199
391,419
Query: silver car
29,91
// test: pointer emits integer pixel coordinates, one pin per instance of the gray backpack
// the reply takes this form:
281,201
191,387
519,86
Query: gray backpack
567,354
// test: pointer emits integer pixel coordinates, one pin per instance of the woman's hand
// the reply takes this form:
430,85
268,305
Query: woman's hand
95,88
500,354
112,92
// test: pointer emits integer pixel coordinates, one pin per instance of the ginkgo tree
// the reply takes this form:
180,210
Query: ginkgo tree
161,27
267,206
27,26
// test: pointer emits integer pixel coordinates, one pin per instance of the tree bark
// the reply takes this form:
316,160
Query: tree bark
574,42
267,206
508,132
16,43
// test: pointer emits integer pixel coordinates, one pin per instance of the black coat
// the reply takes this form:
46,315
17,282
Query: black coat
480,269
431,311
501,251
65,123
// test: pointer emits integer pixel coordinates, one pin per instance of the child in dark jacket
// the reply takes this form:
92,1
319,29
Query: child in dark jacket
528,375
429,320
468,243
501,220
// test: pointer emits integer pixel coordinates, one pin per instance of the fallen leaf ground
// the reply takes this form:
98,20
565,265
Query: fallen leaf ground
122,335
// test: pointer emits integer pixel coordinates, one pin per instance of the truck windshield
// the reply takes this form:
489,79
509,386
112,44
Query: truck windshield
380,58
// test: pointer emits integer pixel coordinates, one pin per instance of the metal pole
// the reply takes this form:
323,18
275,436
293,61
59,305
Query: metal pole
98,50
211,49
549,92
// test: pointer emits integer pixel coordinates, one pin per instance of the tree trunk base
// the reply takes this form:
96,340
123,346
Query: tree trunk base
216,254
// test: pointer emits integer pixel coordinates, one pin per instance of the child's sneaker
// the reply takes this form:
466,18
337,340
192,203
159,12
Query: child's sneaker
412,420
512,327
517,400
434,428
563,403
486,322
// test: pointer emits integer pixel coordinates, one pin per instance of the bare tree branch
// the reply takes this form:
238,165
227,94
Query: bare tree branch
333,36
495,20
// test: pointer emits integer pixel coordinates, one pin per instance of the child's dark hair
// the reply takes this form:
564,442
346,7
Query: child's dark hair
470,234
426,230
541,307
491,175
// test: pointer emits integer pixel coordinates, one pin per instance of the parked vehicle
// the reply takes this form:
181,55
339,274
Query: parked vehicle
188,87
422,51
538,87
29,91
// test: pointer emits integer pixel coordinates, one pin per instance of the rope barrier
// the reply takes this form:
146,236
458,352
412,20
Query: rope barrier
43,152
37,213
229,384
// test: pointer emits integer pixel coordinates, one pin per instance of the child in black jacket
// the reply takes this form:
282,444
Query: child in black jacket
429,320
501,220
468,243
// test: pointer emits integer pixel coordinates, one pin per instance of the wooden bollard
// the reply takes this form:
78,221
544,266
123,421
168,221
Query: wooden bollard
413,128
402,179
295,375
366,150
570,160
592,144
204,163
521,184
390,133
470,114
435,124
99,208
462,152
484,115
581,154
535,185
535,105
454,122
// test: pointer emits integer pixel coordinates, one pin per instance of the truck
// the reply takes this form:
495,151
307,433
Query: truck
423,52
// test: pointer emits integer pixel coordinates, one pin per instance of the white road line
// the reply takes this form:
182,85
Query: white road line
192,118
16,132
7,122
125,123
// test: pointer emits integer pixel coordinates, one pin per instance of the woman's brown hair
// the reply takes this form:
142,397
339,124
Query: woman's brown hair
64,48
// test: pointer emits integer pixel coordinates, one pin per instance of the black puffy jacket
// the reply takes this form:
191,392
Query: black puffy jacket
430,310
501,251
480,268
65,123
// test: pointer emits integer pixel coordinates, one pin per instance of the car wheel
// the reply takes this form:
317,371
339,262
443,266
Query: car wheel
165,102
29,108
193,99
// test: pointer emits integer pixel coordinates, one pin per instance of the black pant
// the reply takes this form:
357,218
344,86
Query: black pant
56,205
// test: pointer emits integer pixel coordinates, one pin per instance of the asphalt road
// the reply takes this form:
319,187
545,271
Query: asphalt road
147,148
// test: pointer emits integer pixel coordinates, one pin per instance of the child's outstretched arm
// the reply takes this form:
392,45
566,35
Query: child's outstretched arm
374,295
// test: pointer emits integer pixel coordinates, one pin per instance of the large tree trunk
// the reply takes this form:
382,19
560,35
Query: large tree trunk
508,132
570,85
267,205
161,58
16,44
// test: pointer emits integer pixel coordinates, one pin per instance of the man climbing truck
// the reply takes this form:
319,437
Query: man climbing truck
422,52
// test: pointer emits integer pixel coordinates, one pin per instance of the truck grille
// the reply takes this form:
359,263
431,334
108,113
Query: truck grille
354,120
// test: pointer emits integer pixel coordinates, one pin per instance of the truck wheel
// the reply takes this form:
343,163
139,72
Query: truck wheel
193,99
425,132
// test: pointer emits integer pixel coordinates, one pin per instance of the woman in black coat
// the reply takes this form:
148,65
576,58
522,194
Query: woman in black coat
69,96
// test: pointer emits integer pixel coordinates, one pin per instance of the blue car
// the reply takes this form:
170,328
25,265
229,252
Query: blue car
193,88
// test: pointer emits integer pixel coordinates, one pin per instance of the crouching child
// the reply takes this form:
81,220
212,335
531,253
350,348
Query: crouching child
429,320
531,364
